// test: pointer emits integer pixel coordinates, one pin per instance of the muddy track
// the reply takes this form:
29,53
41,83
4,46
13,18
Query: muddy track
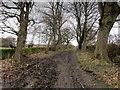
58,71
67,71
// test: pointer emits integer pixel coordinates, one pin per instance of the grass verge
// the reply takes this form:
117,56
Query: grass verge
103,71
1,48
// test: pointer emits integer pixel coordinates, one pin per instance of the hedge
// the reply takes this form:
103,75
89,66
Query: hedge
8,53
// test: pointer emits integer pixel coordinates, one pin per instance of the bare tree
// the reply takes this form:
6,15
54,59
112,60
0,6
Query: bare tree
108,13
23,10
53,18
86,16
7,28
67,36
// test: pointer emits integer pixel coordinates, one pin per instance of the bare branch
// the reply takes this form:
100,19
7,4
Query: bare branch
117,20
8,7
6,26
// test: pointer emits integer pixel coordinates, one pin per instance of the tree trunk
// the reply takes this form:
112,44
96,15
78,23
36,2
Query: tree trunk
48,45
101,45
20,41
108,16
59,41
84,32
54,35
80,43
54,43
84,45
24,8
82,37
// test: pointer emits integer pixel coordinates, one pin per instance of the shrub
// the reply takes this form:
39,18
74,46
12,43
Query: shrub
112,51
27,51
116,59
118,49
8,53
91,48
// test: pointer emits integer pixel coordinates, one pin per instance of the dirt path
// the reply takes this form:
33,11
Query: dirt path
67,77
58,71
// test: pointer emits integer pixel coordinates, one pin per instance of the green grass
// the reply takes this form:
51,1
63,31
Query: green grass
1,48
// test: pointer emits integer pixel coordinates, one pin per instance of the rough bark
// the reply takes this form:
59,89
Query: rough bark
22,34
20,42
84,45
108,16
54,40
101,45
48,45
84,34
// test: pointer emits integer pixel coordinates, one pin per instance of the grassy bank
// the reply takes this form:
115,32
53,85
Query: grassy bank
8,52
103,71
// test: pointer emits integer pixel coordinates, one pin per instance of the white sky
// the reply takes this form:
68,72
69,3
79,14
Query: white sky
114,31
